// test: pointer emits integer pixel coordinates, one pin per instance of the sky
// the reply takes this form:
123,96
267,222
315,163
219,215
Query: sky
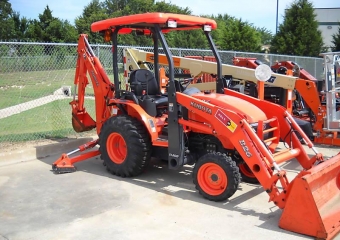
259,13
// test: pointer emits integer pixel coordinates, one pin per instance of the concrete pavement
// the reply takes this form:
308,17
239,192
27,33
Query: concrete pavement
160,204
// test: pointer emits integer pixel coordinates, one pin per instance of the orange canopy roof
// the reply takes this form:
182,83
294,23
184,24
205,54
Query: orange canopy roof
145,20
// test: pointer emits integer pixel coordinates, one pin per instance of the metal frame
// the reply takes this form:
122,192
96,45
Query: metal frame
331,65
176,146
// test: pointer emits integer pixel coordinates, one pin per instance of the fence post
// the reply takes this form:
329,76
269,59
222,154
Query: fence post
315,69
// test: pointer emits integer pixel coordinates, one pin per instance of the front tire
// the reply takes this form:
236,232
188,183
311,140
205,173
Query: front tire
125,146
216,176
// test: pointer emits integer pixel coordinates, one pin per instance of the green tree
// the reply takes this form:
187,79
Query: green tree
92,12
266,35
162,6
61,31
113,6
137,6
47,25
7,28
298,34
185,39
20,25
188,39
336,40
96,11
50,29
34,31
235,34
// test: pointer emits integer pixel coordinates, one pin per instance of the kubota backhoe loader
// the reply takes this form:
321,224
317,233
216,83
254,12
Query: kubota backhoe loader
188,126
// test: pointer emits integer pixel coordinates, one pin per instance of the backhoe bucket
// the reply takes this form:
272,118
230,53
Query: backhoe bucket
313,201
82,122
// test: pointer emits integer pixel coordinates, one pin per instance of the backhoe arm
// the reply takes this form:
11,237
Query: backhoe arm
89,65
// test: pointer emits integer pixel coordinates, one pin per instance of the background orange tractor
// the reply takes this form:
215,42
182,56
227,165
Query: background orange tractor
316,102
186,126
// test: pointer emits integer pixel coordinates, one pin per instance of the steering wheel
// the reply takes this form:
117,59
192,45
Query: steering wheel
186,82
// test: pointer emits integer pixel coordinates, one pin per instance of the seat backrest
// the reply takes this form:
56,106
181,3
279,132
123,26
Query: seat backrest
146,79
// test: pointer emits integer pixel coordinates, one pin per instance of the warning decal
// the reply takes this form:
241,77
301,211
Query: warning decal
225,120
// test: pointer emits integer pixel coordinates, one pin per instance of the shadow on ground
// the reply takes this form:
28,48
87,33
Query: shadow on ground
179,184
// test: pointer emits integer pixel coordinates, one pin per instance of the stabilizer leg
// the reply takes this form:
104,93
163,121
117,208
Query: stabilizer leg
65,164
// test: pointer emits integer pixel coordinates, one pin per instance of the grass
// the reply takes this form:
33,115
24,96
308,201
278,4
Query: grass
20,87
52,120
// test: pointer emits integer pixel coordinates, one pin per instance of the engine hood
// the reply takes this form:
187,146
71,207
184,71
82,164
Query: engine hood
250,111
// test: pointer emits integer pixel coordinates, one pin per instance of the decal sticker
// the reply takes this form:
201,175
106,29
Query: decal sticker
95,78
171,107
162,59
225,120
152,125
271,79
245,148
173,155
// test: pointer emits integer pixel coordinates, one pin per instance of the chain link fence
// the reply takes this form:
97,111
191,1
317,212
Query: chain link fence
36,85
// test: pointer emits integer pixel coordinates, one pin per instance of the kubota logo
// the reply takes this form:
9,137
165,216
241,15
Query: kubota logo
201,107
95,78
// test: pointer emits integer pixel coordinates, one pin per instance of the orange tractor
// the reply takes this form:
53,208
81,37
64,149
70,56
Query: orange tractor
187,126
316,101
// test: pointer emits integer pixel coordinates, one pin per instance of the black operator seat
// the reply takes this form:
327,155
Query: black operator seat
143,83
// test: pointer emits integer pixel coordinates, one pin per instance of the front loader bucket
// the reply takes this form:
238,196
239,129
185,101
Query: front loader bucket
313,201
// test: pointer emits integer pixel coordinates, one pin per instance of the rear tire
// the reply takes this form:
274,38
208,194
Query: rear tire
246,174
216,176
125,146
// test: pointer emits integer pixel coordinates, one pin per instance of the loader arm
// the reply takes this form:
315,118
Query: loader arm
224,123
89,65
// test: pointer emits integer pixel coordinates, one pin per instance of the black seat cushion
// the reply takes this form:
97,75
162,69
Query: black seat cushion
143,80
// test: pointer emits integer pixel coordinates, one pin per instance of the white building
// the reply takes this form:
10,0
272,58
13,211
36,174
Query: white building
328,19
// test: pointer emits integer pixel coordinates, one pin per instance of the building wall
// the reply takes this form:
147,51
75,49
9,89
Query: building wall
328,19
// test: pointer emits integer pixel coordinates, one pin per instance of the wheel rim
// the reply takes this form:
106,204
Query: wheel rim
245,170
116,148
212,179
